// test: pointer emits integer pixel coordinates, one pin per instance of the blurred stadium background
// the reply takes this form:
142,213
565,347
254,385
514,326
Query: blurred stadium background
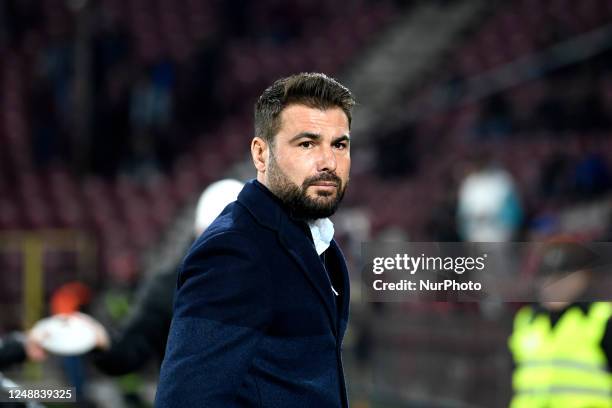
115,114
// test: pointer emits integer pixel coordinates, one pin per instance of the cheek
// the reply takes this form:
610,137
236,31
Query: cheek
297,168
344,166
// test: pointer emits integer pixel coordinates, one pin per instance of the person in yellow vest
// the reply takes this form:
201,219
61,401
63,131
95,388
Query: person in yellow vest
562,347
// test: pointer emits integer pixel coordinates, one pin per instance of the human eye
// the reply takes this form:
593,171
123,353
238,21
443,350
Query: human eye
306,144
341,145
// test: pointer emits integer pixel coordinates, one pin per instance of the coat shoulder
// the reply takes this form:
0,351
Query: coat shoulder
233,219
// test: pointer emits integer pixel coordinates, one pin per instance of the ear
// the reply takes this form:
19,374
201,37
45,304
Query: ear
259,154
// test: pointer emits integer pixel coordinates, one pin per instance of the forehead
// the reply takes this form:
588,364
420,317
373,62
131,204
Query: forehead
300,118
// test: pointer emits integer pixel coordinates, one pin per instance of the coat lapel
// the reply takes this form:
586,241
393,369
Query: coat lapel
268,212
304,254
338,263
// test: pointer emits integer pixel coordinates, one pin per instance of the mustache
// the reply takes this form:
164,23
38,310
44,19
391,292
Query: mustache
322,177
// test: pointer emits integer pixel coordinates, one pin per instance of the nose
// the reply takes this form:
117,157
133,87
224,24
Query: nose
327,160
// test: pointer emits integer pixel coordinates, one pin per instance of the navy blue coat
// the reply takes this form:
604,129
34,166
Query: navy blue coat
256,323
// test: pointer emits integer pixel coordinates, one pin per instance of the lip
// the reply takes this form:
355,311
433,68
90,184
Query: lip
325,184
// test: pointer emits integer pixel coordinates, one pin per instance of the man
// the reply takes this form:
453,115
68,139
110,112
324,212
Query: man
262,298
562,347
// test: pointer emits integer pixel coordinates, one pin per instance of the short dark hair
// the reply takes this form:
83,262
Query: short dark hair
314,90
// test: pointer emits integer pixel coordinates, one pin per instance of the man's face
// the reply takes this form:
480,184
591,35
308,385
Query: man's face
308,165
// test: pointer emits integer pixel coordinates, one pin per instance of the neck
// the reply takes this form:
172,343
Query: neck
261,179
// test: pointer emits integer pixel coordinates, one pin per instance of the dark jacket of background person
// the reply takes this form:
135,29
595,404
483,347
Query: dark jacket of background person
12,351
144,335
256,323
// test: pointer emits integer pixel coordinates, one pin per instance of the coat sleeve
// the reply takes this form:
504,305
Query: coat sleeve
220,312
12,351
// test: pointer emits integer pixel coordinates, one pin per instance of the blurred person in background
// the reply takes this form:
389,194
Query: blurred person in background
562,347
489,208
262,301
144,334
69,298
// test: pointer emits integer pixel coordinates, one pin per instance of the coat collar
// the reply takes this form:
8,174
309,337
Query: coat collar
268,210
262,204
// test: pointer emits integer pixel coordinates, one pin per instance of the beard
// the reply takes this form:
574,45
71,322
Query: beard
296,199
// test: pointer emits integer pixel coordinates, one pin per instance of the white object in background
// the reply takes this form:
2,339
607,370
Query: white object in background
488,206
65,334
213,200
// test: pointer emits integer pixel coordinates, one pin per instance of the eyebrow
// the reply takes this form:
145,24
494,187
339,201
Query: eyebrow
316,136
343,138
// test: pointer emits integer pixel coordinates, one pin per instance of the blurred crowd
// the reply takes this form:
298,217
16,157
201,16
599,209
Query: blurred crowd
158,76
